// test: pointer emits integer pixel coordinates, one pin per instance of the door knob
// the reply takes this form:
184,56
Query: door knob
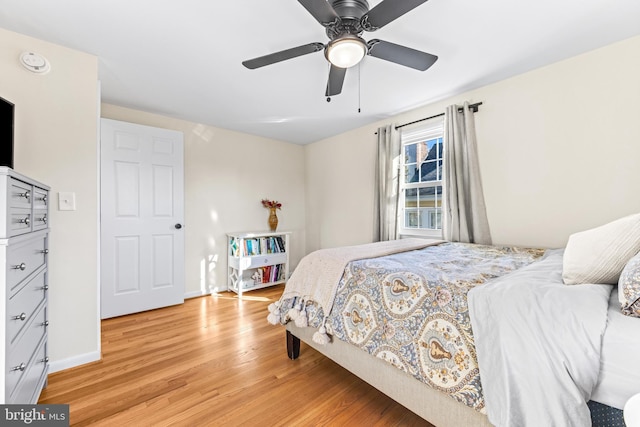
178,226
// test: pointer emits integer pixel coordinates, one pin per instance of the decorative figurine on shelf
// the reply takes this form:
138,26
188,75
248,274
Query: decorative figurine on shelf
272,205
256,277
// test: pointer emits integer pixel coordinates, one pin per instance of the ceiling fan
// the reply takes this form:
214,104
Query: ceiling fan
345,21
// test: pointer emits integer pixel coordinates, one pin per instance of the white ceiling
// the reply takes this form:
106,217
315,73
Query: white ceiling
183,58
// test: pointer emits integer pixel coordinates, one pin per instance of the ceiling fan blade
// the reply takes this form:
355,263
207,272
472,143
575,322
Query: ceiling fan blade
321,10
401,54
387,11
336,79
283,55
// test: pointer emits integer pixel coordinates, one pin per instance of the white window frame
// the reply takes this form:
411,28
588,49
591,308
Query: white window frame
428,130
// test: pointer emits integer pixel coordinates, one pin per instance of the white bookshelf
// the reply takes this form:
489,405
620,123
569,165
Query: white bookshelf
257,260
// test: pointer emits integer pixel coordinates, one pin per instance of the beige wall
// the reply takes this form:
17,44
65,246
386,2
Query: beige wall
56,143
226,175
559,151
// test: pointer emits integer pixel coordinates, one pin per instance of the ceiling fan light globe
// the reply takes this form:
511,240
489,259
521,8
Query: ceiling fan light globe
346,52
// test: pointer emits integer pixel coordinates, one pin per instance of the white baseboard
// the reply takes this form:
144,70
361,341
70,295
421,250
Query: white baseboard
72,362
197,294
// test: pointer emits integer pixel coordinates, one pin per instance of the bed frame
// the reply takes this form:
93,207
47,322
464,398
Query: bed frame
432,405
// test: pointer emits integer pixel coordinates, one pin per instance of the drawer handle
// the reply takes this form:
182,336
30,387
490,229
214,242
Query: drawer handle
45,323
44,199
45,360
44,251
25,221
22,316
20,367
26,194
22,266
43,219
45,288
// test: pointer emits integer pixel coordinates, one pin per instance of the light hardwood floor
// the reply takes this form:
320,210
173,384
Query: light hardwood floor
215,361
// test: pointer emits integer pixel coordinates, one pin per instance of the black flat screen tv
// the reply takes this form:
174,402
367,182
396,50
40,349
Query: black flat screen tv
6,133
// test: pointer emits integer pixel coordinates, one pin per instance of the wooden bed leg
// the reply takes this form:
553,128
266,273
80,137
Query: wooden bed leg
293,346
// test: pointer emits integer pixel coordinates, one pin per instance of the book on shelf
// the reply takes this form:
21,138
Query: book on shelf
275,246
257,246
269,274
252,247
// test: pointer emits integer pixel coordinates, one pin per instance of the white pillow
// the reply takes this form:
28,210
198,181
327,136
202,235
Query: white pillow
599,255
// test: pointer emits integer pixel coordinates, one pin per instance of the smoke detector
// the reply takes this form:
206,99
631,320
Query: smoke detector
35,63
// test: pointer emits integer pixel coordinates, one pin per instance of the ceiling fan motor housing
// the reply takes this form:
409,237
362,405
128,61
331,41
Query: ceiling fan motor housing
353,9
350,12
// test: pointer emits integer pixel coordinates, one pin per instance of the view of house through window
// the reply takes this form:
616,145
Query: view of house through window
421,179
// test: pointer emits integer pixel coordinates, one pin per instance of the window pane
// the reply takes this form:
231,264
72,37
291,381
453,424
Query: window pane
427,197
422,151
411,218
437,220
411,198
410,153
433,149
440,170
428,171
411,173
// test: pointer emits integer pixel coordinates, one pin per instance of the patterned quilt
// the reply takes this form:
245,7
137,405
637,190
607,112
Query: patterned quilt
410,309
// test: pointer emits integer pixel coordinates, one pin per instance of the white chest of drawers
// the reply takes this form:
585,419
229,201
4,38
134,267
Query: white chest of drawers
24,245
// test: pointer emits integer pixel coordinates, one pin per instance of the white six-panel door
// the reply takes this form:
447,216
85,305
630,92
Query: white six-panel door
141,234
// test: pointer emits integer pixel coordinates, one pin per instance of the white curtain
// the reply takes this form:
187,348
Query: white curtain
386,185
466,213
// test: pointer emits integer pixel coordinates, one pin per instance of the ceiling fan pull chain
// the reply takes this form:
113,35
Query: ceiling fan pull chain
359,87
329,68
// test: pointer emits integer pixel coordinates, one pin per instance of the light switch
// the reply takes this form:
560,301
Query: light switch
66,201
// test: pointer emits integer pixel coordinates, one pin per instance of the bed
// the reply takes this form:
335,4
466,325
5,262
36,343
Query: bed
404,315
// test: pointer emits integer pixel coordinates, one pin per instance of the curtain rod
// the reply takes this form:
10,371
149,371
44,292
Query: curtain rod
472,107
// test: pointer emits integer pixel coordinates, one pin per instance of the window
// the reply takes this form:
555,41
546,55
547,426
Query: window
420,199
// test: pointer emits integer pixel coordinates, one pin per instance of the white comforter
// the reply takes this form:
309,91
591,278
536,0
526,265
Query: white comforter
538,344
